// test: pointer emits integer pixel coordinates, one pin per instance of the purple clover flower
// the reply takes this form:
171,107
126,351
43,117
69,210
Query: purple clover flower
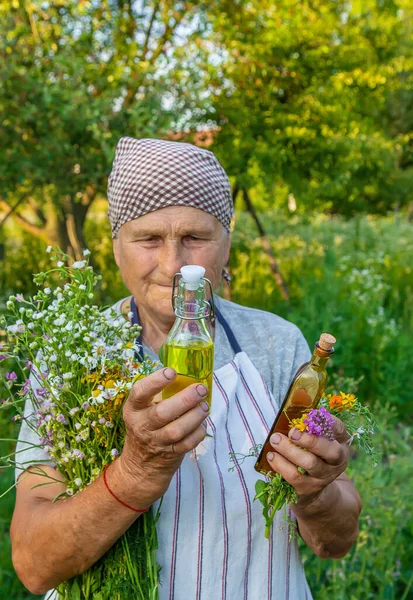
61,419
27,386
319,422
78,454
11,376
85,405
114,452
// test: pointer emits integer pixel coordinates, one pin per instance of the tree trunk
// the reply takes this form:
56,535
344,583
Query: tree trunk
63,240
227,283
72,220
267,247
62,222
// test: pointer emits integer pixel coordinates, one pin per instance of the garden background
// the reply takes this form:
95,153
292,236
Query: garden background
309,107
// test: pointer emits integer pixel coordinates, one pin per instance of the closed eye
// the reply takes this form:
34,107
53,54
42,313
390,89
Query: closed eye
150,239
195,238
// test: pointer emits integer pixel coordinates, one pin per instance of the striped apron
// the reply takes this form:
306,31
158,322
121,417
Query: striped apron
211,532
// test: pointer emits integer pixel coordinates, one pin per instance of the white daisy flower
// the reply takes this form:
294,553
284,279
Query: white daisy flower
79,264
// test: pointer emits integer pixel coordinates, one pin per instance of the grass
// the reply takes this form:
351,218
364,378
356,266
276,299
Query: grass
351,278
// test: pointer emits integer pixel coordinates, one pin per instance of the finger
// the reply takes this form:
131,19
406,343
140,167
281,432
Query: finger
339,430
145,389
331,451
180,428
191,441
302,483
312,464
172,408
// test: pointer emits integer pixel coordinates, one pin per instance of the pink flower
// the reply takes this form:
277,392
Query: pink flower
27,385
11,376
319,422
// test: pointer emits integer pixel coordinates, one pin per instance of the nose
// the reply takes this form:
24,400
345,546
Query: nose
170,259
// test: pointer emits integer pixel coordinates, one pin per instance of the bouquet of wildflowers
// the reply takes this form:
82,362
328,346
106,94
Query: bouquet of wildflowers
274,492
76,364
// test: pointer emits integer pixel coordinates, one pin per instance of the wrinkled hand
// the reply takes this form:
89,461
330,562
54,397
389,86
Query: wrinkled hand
323,460
158,435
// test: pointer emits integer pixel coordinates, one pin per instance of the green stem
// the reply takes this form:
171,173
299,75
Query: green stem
409,585
275,508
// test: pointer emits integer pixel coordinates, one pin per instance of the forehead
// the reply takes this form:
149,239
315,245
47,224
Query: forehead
174,219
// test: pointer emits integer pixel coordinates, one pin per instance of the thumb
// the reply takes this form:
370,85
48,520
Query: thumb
145,389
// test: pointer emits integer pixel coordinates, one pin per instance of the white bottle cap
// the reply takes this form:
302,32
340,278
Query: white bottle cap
192,275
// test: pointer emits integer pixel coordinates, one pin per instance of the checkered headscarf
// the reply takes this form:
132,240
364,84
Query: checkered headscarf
150,174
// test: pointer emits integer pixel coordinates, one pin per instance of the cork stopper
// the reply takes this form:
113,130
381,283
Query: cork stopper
326,342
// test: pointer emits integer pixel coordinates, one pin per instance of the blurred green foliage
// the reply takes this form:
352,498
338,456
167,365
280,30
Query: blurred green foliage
317,102
308,102
75,77
352,278
380,564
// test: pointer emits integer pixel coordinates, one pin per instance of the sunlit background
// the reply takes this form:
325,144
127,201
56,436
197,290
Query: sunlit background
309,107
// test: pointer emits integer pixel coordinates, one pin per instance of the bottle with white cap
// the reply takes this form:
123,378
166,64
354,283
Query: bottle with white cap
189,348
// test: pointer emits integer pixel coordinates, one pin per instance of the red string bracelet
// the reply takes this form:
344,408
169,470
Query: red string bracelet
118,499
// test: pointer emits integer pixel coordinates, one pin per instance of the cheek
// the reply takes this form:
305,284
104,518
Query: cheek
135,264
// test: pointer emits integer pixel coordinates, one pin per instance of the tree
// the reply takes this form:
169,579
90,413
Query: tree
75,76
304,95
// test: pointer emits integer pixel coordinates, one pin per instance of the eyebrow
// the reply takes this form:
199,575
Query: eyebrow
193,230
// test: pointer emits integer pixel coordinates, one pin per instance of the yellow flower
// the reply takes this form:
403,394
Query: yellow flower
299,423
119,400
349,400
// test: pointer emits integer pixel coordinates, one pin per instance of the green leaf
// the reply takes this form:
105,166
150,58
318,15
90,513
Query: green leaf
74,591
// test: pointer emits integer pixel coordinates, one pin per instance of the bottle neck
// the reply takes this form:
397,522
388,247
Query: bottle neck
319,359
190,304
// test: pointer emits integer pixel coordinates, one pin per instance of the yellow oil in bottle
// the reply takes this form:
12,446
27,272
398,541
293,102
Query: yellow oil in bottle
193,363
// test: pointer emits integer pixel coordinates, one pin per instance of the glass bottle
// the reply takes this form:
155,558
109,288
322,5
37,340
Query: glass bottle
189,348
303,394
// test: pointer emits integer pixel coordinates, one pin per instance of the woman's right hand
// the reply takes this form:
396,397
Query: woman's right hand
158,435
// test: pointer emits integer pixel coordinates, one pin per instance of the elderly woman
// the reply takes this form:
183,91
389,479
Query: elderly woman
170,205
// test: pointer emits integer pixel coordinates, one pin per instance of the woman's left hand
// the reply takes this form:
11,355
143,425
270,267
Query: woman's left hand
322,460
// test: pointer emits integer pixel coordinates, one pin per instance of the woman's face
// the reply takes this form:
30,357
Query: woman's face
151,249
